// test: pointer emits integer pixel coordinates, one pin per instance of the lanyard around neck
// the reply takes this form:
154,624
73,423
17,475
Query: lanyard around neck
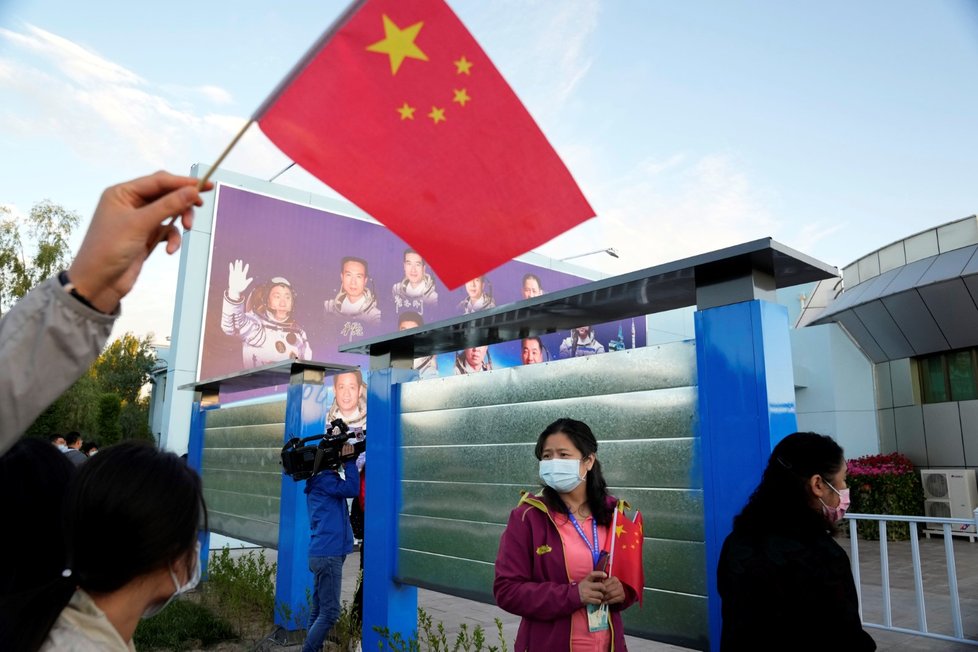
595,553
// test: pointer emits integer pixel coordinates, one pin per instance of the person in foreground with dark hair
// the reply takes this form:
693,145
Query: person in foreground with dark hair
785,584
546,565
51,336
34,476
131,517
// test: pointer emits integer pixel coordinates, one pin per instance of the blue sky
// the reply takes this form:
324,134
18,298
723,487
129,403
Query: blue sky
835,127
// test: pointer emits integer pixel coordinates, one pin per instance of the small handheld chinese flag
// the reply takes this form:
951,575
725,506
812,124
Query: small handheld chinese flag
625,561
398,109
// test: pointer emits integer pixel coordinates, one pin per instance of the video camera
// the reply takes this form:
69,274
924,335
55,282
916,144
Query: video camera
302,460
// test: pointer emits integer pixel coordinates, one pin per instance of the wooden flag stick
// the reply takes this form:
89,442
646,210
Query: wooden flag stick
164,229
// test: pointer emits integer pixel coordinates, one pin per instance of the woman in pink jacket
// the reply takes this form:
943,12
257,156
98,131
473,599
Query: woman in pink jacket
550,561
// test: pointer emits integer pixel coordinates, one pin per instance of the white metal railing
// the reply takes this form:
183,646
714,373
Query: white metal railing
952,577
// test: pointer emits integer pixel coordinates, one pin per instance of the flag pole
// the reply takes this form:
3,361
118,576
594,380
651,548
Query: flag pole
220,159
614,534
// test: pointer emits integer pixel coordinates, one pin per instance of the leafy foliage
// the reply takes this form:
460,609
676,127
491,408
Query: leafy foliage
432,637
242,586
183,625
34,249
124,366
885,484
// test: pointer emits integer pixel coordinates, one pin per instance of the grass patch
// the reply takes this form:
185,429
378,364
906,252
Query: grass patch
183,625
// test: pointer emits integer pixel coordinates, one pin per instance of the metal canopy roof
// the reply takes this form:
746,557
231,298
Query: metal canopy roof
655,289
270,375
924,307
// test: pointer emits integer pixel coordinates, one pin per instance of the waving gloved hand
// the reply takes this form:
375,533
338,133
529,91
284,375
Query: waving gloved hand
238,280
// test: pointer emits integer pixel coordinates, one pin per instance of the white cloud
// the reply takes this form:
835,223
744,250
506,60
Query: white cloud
107,114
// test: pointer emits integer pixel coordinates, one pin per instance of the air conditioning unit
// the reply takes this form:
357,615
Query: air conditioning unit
950,493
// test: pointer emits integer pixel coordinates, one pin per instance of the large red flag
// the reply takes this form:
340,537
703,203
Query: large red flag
398,109
625,562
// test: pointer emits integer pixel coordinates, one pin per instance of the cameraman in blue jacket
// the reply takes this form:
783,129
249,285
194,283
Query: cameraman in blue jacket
330,542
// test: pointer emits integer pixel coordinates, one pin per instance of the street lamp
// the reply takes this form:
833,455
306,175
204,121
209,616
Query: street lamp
611,251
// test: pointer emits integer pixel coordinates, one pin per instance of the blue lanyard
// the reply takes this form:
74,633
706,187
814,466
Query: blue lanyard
595,553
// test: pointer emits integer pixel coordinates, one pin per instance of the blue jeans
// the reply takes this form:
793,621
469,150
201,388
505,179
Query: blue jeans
327,576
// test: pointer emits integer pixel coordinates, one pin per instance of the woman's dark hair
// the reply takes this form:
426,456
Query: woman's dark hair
34,477
597,489
781,501
131,510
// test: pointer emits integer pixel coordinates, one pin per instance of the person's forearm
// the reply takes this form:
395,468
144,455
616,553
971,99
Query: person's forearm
47,341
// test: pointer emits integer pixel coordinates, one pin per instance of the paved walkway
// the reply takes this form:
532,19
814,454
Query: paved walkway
453,611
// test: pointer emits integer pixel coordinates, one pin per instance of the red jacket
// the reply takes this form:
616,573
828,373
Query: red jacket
532,582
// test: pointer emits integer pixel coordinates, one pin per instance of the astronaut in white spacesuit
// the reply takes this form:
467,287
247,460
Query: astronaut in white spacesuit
354,309
581,342
479,296
473,360
417,289
264,322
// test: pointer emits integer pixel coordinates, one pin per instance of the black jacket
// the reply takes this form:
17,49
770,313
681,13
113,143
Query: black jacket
788,590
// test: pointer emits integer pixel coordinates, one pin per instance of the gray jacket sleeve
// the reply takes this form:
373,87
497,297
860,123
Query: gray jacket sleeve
48,339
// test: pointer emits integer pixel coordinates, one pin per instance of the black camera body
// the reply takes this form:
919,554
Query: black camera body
304,458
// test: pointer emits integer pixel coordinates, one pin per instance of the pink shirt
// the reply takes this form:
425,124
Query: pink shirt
579,564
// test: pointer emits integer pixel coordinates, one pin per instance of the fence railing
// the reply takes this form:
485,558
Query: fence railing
952,578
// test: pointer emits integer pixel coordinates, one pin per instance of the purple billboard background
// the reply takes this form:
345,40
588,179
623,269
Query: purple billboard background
305,245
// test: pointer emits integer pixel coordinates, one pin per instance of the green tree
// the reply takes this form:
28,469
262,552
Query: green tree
108,429
124,366
33,249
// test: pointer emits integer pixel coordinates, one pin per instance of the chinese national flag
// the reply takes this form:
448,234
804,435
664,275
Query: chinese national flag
626,555
398,109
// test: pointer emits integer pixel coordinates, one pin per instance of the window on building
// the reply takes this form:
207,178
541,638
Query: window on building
951,376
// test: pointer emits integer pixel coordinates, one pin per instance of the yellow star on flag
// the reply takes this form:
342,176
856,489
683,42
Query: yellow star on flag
463,66
437,115
619,530
461,96
407,112
398,43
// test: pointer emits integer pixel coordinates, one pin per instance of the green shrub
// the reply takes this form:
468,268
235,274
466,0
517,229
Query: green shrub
433,638
884,484
242,588
183,625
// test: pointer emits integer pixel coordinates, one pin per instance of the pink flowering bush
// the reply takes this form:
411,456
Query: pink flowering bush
885,484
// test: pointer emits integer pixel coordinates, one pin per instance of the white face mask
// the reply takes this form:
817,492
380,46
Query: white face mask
562,476
152,610
62,448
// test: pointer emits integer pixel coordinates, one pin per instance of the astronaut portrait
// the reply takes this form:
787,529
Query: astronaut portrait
581,342
478,296
350,400
426,366
263,322
417,289
354,309
532,287
532,350
473,360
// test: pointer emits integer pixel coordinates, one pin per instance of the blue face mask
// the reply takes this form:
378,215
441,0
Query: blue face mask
562,476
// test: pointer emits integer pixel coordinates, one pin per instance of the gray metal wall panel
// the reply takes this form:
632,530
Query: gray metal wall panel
241,472
942,427
955,311
850,321
884,329
969,431
887,429
678,618
902,382
909,276
660,367
909,425
884,390
468,450
916,322
948,265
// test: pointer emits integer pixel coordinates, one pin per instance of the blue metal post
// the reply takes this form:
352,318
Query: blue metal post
293,583
386,603
195,460
746,405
